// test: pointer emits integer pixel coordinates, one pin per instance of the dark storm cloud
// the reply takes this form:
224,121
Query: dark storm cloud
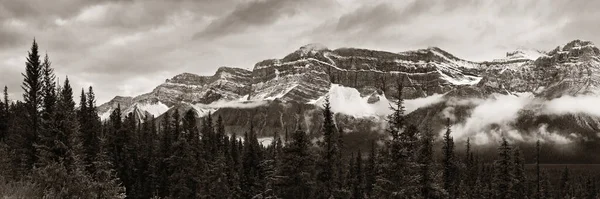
253,13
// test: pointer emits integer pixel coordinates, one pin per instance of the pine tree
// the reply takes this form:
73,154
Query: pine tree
66,128
251,163
183,181
272,160
17,140
519,186
470,173
5,114
397,176
357,180
546,187
32,86
448,160
90,123
154,158
81,114
165,151
371,171
296,170
106,183
396,120
115,124
427,177
220,133
126,166
190,129
565,184
208,138
329,158
504,172
6,102
537,169
235,167
3,121
65,177
48,90
48,131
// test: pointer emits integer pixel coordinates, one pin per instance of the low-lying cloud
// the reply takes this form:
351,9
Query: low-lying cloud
573,105
495,117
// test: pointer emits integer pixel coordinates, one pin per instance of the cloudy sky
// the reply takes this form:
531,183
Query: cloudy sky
127,47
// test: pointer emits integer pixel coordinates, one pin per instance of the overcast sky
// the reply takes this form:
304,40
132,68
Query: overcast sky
128,47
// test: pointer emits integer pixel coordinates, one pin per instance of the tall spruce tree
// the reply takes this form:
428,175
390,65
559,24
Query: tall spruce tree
81,113
48,93
3,120
190,129
397,176
251,165
5,115
520,182
427,176
48,130
183,181
504,172
6,101
166,142
90,126
537,169
126,166
32,87
371,170
448,160
235,166
329,156
357,182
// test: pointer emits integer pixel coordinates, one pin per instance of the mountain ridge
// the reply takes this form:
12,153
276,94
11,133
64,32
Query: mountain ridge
264,81
288,92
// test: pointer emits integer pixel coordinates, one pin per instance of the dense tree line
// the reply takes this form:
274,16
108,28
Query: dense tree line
50,147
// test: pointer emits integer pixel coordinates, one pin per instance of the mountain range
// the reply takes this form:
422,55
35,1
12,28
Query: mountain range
526,96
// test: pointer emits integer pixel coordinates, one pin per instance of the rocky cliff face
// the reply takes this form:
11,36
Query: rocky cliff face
304,76
227,84
572,69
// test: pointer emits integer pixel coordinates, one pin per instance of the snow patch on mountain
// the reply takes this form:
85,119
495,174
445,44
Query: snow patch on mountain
155,109
105,115
462,79
348,101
